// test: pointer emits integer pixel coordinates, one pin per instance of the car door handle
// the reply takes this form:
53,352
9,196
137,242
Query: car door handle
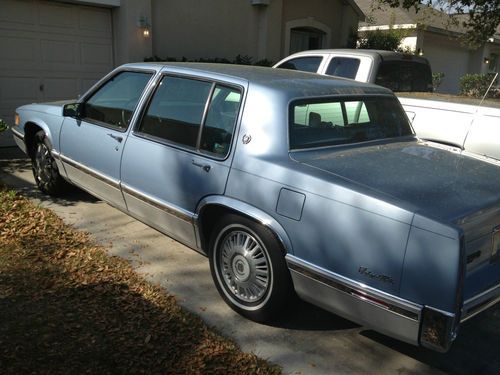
116,137
205,167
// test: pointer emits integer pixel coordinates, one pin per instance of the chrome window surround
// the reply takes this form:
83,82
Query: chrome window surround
140,115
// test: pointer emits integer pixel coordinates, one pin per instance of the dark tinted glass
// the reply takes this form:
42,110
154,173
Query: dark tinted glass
221,118
317,123
306,64
404,76
114,103
176,110
346,67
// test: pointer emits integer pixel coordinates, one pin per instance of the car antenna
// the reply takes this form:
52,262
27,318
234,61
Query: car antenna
487,91
477,109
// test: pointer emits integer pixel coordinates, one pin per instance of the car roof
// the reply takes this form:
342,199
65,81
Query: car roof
296,83
375,53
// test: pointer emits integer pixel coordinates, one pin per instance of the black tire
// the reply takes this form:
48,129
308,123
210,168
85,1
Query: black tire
45,170
249,269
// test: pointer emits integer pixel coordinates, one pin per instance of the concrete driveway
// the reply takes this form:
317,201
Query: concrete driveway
307,340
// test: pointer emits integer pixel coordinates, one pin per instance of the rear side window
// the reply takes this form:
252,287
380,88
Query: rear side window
346,67
306,64
404,76
176,110
198,114
330,122
114,102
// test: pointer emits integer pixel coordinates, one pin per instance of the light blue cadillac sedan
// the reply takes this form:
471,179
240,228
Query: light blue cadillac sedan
290,183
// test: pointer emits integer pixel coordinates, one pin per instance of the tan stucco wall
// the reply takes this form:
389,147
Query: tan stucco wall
339,18
225,28
129,43
207,29
448,56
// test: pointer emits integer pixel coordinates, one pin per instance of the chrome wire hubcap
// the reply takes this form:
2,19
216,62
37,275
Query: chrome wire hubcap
244,266
43,163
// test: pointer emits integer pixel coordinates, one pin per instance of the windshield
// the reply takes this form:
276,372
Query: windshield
329,122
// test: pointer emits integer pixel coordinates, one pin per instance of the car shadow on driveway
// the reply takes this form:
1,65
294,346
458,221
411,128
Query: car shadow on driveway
475,351
17,173
303,316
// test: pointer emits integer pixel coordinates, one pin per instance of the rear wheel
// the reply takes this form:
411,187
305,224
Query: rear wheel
249,269
45,170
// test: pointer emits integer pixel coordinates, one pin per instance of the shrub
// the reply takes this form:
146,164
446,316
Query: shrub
475,85
386,40
3,125
437,78
239,60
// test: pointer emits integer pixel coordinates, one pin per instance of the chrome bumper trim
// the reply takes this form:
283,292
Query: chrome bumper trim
481,302
169,209
17,134
356,290
87,170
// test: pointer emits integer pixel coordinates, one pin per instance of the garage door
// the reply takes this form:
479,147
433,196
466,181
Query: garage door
50,51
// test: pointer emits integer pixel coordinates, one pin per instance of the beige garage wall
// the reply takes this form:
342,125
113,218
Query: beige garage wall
440,50
207,29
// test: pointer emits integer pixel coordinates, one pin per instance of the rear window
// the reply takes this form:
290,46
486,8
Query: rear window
404,76
305,64
318,123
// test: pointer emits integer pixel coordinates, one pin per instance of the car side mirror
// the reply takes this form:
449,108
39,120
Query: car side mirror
72,110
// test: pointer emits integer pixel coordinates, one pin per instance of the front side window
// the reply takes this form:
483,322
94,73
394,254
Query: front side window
346,67
318,123
178,113
306,64
114,103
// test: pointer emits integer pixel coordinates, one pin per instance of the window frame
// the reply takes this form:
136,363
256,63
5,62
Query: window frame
196,150
341,98
89,94
318,70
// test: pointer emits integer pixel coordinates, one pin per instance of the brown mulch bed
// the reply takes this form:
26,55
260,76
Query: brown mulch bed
66,307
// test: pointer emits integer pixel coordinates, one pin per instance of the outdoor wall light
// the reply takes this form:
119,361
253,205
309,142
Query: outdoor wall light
145,26
487,60
420,52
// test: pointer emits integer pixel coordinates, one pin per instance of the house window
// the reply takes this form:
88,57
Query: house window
306,38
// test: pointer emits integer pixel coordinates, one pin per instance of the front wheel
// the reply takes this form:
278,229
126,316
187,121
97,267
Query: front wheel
45,170
249,269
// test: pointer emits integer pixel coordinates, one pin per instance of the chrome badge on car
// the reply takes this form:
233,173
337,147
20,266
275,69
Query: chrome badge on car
376,276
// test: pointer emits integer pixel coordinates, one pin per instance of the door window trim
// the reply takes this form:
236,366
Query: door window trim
103,82
193,150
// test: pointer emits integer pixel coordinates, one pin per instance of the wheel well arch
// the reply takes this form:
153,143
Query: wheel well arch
30,129
208,216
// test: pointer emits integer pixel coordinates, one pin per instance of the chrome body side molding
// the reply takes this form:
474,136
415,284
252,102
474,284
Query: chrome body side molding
480,302
19,139
356,301
169,219
82,168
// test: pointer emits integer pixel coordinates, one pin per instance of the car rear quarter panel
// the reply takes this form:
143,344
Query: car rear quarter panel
338,228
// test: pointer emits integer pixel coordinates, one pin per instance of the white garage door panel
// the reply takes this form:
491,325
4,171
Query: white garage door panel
18,89
96,54
60,52
51,51
57,88
17,11
17,49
